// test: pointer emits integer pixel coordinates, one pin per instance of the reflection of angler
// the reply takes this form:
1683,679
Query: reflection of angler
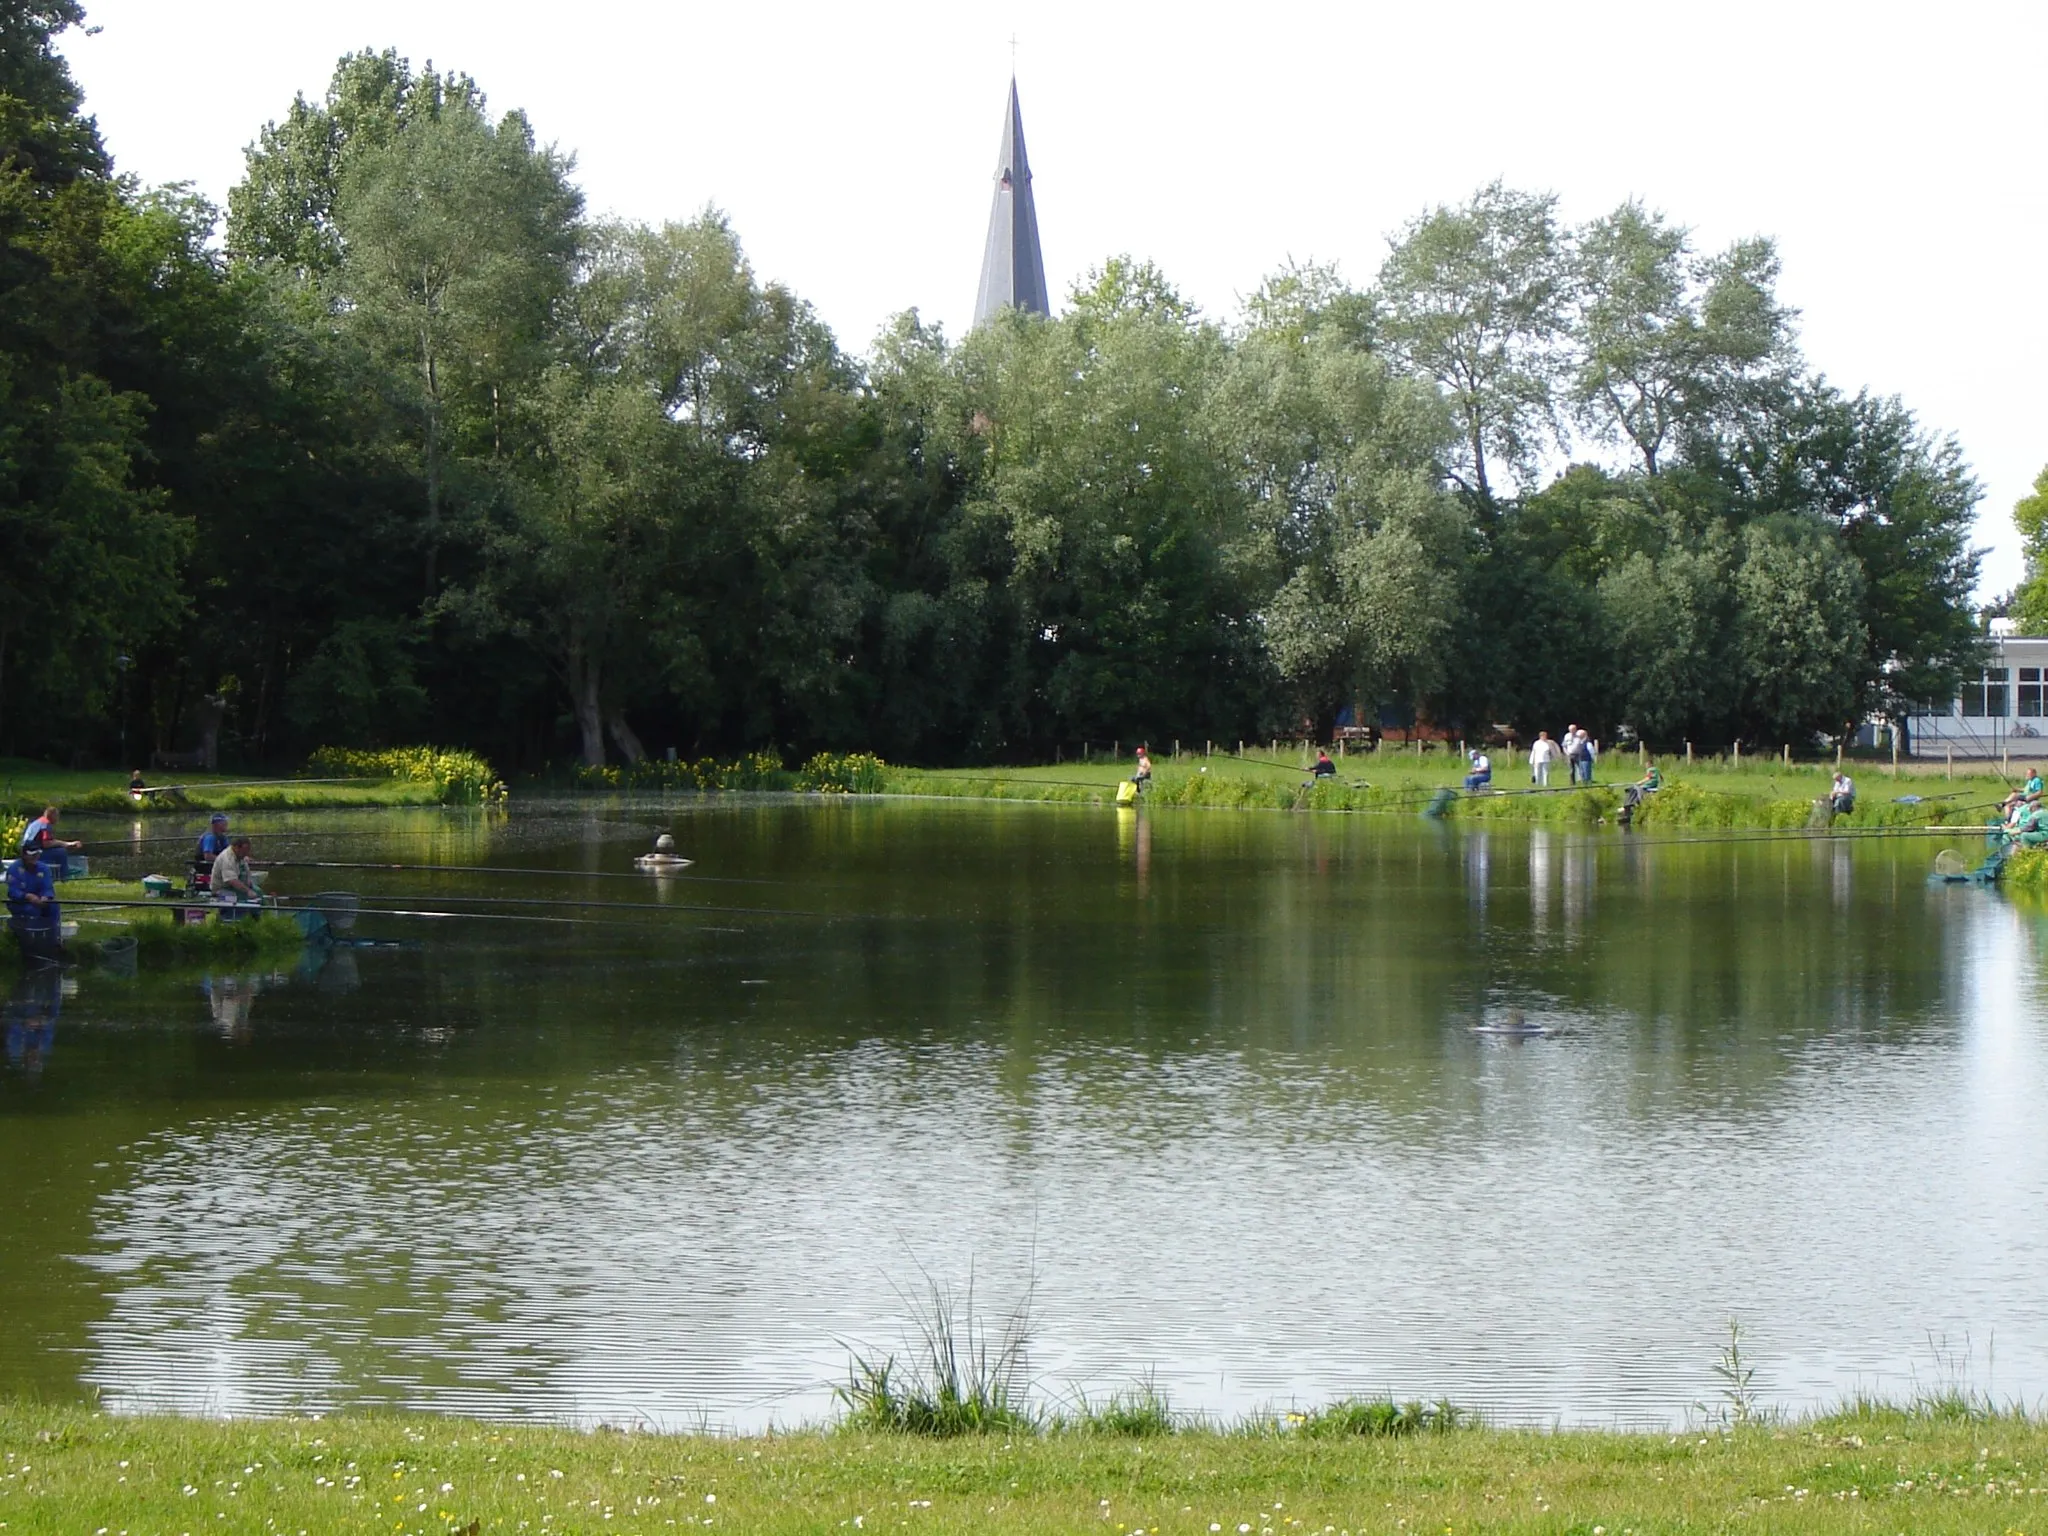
231,998
31,1015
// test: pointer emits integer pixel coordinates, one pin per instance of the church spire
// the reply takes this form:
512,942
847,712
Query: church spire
1012,267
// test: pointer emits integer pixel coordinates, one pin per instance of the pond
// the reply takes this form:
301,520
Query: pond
1202,1090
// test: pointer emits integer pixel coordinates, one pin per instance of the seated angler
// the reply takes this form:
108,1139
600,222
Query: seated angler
33,914
1842,794
1634,795
1482,771
41,835
234,880
1324,768
212,843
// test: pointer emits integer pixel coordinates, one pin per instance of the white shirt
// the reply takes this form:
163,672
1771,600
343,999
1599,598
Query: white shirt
1544,752
229,866
1481,763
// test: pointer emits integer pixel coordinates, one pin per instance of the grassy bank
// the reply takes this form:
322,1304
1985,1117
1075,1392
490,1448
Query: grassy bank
1704,794
159,938
73,1471
333,778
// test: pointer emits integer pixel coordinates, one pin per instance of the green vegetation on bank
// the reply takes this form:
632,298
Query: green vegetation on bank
2026,873
332,778
1757,795
158,935
1871,1471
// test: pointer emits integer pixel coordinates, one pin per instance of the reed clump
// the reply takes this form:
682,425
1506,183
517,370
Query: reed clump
963,1377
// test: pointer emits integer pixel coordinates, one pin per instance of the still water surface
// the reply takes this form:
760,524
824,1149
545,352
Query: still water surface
1207,1083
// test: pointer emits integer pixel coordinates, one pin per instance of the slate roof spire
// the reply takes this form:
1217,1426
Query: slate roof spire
1012,266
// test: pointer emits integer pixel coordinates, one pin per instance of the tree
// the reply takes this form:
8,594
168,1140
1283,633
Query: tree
2030,515
1669,343
1799,630
457,241
92,549
284,210
1901,502
1341,460
1475,298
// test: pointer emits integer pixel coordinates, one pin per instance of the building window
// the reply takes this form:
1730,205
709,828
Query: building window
1986,696
2030,693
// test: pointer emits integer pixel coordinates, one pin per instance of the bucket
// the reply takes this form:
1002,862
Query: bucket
1127,793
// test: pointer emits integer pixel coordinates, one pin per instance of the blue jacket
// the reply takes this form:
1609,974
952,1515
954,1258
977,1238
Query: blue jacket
23,882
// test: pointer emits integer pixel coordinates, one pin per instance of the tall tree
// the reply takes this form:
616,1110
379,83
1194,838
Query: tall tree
458,238
2030,515
1342,460
1475,298
91,547
1670,343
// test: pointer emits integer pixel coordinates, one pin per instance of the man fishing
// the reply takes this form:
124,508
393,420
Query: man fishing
234,880
212,842
41,835
1482,771
1633,796
1324,768
33,913
1142,774
1842,794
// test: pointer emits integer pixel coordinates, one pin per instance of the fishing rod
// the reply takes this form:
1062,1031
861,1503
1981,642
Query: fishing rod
496,869
174,789
115,845
571,901
101,904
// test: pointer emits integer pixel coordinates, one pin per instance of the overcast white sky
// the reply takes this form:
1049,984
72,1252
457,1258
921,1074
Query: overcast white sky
1895,151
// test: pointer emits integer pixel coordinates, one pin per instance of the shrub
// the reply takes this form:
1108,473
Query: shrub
757,770
843,773
461,778
1379,1418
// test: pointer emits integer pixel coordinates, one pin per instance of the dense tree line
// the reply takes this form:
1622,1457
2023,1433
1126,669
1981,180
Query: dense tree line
408,445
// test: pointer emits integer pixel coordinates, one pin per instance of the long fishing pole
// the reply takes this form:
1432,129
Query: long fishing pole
173,789
100,904
496,869
570,901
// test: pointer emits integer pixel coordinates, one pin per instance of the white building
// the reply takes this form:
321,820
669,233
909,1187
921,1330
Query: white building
2005,710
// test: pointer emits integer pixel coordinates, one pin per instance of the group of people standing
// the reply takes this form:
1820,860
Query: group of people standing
1575,750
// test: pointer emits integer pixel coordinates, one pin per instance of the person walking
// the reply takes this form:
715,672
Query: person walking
1542,753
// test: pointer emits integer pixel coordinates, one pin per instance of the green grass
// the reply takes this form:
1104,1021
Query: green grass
1706,794
26,787
159,938
1872,1470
